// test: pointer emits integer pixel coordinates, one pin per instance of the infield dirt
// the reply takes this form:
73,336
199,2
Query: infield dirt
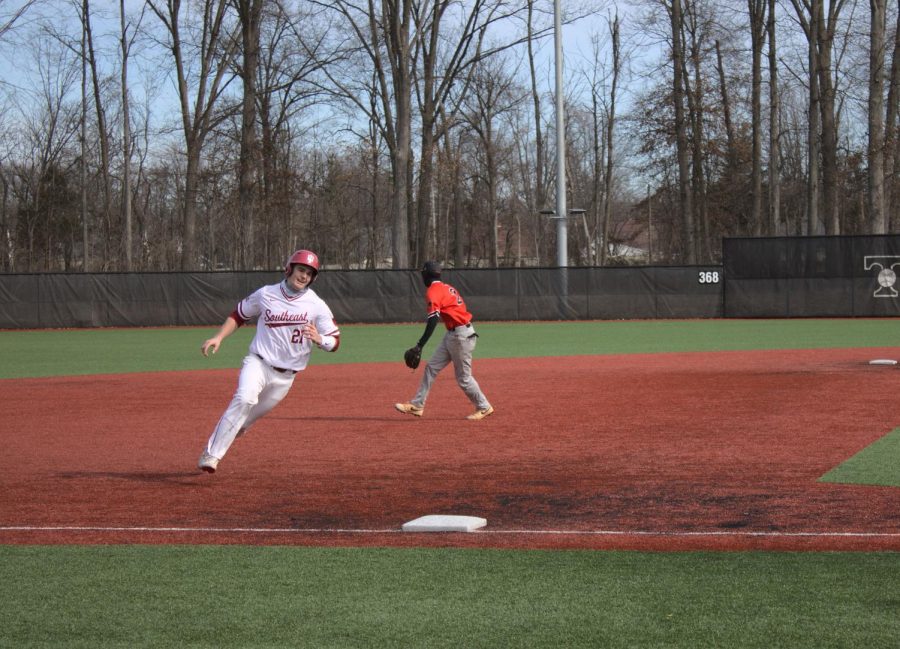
661,452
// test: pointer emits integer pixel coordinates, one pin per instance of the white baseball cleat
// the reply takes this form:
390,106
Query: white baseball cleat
410,409
481,413
208,463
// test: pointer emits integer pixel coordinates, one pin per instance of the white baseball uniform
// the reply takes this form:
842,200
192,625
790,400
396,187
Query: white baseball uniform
278,351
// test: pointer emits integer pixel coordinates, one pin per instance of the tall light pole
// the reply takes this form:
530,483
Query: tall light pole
562,252
562,274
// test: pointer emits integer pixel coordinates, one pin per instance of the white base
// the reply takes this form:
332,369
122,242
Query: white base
443,523
883,361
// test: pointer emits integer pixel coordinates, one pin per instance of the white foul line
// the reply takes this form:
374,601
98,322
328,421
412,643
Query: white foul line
524,532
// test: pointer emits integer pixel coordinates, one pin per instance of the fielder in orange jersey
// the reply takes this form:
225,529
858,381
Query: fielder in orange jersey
445,304
290,320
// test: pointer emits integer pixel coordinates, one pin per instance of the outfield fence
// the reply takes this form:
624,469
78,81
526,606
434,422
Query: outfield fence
775,277
59,300
790,277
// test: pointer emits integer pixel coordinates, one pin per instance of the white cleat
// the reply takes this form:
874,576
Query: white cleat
208,463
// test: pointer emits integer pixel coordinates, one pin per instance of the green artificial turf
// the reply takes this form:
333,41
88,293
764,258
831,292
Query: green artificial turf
113,351
243,596
234,596
877,464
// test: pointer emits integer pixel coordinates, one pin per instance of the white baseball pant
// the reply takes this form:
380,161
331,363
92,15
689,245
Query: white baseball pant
260,388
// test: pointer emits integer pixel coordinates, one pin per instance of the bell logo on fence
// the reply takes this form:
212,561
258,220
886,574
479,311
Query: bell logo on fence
886,275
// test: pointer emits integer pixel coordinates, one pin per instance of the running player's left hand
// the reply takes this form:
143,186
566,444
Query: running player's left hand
310,332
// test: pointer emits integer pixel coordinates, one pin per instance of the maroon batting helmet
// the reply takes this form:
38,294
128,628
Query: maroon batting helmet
305,257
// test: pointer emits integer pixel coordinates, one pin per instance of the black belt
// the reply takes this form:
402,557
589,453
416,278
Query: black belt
468,324
282,370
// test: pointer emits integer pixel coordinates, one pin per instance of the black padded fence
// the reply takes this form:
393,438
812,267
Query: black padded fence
63,300
790,277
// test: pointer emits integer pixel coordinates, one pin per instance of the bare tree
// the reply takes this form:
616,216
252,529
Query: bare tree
290,49
875,174
614,32
383,37
46,207
891,133
682,145
250,15
452,161
696,34
539,194
5,234
809,13
215,46
775,224
85,231
491,95
603,96
102,133
15,15
85,49
442,78
126,42
820,29
756,10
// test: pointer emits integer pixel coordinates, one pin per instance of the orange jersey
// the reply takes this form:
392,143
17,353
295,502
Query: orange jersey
444,300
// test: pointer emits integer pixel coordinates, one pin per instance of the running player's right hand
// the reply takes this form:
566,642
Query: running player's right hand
210,346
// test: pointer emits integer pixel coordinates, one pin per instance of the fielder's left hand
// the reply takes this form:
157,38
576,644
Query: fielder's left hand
412,357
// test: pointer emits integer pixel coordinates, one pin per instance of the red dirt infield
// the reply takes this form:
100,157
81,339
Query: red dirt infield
693,451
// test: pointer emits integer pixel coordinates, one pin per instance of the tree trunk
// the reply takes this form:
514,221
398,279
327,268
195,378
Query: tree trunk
610,132
829,138
597,240
682,146
812,224
891,140
126,140
102,136
5,262
775,225
539,195
875,175
726,107
82,164
757,12
396,19
694,94
809,13
425,205
197,121
250,14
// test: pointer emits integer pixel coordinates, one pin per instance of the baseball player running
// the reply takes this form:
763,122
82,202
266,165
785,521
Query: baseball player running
445,303
291,318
